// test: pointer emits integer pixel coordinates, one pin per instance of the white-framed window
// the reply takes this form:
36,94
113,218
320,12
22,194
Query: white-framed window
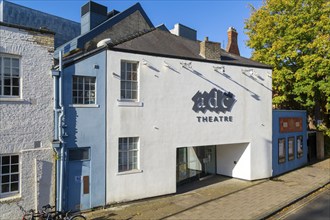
128,154
129,80
9,175
9,76
83,90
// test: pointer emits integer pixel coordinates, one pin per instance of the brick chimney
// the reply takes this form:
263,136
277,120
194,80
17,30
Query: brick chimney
232,46
210,50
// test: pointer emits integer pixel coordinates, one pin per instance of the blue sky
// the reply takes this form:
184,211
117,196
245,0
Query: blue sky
210,18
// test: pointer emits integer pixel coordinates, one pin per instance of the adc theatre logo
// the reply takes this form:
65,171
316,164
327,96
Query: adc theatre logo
213,101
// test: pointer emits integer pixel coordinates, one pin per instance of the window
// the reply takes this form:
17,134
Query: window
83,90
128,154
291,147
281,150
129,80
9,174
300,149
79,154
9,76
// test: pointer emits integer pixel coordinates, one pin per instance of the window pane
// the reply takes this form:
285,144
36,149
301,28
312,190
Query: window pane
134,94
6,90
15,91
15,62
7,81
14,177
15,81
6,62
5,160
134,85
5,188
5,169
14,159
14,168
129,67
15,72
14,187
6,71
134,75
5,179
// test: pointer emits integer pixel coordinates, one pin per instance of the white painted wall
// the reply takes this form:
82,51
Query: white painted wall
234,160
28,119
165,121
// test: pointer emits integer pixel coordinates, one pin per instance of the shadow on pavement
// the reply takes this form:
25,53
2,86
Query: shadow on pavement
203,182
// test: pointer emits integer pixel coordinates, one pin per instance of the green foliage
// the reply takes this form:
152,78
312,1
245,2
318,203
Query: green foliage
293,36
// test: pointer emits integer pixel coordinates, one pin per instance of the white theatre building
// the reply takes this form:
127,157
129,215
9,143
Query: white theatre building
149,111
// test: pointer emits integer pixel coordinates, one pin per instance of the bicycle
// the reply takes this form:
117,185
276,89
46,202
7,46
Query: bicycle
59,215
67,215
47,214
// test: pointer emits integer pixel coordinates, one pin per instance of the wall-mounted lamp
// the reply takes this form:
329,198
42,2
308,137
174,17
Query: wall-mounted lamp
219,69
186,65
166,64
250,72
144,62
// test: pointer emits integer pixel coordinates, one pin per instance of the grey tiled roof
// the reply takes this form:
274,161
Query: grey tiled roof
163,43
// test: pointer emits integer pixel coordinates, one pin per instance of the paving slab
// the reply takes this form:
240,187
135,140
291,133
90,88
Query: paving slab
226,198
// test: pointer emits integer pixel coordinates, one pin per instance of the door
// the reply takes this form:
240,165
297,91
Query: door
78,192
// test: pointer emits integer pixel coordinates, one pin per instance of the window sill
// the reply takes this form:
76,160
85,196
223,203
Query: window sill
10,199
13,100
129,172
129,103
84,106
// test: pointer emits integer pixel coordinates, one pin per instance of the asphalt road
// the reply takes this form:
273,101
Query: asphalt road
315,207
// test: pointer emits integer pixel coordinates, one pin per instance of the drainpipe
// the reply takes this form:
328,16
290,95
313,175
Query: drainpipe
58,143
60,137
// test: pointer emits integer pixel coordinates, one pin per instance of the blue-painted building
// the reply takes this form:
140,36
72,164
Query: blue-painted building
85,135
80,103
289,140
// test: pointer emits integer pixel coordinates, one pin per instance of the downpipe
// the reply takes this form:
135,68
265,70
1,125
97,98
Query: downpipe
58,133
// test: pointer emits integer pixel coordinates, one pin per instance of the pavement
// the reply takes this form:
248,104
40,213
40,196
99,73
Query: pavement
220,197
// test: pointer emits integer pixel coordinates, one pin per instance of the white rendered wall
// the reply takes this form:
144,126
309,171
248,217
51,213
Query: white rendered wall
165,121
234,160
28,119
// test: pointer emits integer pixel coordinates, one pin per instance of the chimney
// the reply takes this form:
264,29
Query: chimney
92,14
210,50
232,46
184,31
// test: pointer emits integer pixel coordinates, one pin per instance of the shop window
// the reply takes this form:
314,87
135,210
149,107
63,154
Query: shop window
129,81
299,146
291,148
128,154
9,175
83,90
281,150
9,76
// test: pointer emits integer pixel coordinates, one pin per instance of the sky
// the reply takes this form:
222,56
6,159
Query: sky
210,18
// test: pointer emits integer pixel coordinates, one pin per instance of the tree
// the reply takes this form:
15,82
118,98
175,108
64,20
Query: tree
293,36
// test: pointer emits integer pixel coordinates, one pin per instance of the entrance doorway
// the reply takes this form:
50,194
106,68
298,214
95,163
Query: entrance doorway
194,163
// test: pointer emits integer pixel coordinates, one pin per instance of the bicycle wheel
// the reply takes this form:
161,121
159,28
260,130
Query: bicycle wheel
78,217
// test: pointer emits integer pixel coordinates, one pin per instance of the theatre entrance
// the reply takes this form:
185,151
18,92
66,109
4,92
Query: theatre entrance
194,163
